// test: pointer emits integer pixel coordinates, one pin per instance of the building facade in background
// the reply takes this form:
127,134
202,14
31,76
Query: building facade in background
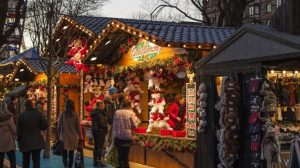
14,42
259,11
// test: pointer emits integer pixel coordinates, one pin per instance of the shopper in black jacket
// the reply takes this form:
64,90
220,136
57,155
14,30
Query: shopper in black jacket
99,130
29,127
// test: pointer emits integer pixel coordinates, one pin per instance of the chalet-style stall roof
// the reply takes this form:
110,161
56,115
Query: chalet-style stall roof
253,48
107,34
8,67
25,66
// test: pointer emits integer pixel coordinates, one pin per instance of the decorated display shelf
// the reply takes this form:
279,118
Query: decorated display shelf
165,143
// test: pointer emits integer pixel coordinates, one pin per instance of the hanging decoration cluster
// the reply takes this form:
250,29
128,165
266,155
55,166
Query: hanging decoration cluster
77,53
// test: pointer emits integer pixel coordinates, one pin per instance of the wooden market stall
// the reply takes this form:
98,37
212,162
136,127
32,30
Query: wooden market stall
136,59
261,65
28,72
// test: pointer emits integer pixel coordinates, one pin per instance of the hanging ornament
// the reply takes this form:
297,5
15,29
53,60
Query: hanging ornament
77,53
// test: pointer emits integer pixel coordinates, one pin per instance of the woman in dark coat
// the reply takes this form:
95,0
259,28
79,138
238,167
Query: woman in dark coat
69,132
7,136
29,127
99,130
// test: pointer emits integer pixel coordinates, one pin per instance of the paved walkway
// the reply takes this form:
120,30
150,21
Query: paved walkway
53,162
56,162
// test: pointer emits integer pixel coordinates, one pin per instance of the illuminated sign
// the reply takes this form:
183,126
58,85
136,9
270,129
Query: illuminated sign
144,51
191,110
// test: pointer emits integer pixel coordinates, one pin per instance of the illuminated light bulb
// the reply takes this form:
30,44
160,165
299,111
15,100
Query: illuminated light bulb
214,46
147,38
118,25
113,23
140,35
123,28
65,27
108,25
184,46
153,40
296,72
99,36
91,46
134,33
103,31
128,30
284,72
199,46
169,45
272,71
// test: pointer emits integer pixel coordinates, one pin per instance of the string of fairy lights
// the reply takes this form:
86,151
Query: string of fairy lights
131,30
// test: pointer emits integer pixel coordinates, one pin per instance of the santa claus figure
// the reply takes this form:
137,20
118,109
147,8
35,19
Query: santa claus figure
175,113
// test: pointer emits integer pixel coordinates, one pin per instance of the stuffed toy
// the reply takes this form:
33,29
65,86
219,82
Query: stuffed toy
135,99
158,121
77,53
154,79
134,96
270,150
101,83
88,84
157,103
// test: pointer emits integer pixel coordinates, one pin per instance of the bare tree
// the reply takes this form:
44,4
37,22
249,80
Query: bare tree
163,15
230,12
51,45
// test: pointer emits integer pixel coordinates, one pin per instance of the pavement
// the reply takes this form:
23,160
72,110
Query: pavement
56,162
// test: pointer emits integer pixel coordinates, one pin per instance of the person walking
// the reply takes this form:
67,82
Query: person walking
69,132
8,134
29,127
124,122
99,130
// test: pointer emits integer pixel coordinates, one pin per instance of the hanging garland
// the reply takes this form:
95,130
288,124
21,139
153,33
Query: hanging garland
165,143
180,61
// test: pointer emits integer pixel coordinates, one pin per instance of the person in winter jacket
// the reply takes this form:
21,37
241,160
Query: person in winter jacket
69,132
29,127
8,134
124,122
99,130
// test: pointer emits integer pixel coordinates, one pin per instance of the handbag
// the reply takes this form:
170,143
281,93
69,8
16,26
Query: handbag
58,148
79,158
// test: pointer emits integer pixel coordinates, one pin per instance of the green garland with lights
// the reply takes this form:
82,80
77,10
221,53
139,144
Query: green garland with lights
165,143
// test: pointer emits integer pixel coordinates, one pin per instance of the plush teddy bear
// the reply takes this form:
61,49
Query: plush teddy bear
135,99
158,121
88,84
157,102
154,79
134,96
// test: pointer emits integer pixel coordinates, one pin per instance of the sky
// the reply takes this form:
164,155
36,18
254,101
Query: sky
122,8
113,8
